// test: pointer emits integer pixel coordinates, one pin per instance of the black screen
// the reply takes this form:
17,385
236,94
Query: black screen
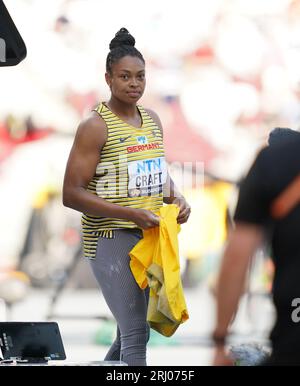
31,340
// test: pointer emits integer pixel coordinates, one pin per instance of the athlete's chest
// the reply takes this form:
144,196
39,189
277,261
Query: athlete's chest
133,143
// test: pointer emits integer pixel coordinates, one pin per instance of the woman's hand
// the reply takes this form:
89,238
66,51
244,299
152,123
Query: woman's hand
145,219
185,209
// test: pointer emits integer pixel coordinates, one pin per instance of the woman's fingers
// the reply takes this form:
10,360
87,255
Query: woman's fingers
184,215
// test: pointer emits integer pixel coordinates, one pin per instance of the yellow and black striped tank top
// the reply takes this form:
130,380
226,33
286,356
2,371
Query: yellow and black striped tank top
131,172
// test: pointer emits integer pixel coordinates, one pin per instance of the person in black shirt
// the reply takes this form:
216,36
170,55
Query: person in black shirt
274,171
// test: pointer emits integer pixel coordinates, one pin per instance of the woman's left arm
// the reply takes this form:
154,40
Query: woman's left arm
173,196
171,193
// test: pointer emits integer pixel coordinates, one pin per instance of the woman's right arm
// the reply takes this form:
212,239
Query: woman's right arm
81,166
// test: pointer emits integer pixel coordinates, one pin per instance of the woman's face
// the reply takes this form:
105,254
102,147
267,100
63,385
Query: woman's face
127,81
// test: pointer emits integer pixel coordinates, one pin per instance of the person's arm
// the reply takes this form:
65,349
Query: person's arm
81,166
171,193
243,242
173,196
251,221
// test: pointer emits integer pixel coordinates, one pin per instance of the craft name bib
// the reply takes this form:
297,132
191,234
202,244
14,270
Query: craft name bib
146,177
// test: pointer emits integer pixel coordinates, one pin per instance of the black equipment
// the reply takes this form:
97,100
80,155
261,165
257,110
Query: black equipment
30,342
12,46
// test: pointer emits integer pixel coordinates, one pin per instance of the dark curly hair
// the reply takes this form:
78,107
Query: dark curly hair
121,45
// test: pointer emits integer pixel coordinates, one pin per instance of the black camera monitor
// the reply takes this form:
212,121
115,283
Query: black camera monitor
31,341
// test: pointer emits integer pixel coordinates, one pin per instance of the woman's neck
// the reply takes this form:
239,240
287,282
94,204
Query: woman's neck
121,108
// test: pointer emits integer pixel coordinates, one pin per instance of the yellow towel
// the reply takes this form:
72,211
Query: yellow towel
155,262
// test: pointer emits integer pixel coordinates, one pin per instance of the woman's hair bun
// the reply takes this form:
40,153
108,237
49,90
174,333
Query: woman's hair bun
122,38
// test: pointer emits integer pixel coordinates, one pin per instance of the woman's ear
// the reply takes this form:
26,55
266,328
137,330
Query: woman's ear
108,79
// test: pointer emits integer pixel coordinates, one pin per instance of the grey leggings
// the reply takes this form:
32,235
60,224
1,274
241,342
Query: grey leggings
127,302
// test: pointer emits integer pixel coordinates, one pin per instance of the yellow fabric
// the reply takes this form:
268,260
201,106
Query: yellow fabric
155,262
